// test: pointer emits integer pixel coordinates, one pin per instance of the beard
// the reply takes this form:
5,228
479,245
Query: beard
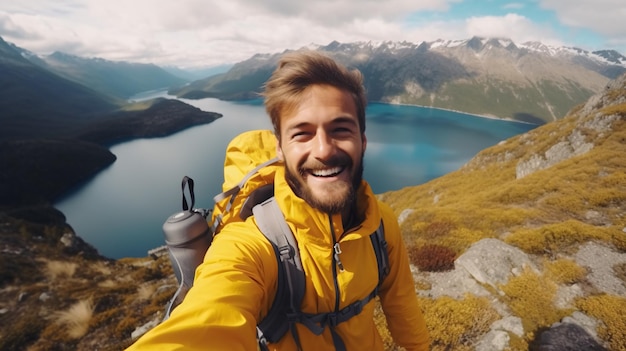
335,197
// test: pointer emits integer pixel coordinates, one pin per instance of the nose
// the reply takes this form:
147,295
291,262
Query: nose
323,146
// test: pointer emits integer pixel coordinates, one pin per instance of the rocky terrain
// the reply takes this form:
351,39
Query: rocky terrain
522,248
537,230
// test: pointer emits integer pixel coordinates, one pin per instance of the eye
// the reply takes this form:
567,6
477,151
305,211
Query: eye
300,135
343,131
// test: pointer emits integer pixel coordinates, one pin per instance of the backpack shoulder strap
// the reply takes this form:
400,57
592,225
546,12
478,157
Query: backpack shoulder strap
271,222
382,254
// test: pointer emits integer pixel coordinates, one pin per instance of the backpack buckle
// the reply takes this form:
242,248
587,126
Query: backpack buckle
332,319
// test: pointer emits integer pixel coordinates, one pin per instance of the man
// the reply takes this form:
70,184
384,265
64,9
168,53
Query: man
317,108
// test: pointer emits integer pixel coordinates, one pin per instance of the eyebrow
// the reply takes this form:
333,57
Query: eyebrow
339,120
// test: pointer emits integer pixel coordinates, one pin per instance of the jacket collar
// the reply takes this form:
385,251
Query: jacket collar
314,226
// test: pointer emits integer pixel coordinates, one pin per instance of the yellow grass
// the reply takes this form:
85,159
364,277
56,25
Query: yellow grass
109,283
60,269
76,318
145,291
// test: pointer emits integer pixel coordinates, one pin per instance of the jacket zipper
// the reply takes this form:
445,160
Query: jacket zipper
336,263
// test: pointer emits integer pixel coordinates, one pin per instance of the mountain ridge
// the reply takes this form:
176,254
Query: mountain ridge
530,82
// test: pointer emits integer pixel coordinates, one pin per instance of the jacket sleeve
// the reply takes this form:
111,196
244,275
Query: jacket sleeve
230,293
397,295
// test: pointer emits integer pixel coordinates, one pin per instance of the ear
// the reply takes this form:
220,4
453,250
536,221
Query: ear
364,141
279,151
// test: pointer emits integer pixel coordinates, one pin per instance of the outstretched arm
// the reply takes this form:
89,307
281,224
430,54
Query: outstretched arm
229,295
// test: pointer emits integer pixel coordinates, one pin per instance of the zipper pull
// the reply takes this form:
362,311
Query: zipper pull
337,250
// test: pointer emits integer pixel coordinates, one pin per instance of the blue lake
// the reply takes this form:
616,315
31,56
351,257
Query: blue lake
121,210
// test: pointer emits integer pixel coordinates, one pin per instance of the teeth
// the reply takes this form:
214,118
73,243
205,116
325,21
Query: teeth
327,172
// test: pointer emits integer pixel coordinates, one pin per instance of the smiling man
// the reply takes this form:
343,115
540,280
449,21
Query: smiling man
322,148
317,108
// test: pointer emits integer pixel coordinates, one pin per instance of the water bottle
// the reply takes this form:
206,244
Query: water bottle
187,236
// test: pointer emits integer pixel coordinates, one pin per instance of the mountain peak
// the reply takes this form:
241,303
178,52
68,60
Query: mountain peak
611,56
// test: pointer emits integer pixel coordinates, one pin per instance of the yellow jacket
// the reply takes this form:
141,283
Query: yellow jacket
235,286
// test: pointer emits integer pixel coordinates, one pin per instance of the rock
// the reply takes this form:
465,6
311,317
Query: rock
600,260
565,337
510,324
404,214
493,262
455,283
139,331
495,340
574,145
44,296
565,295
68,239
589,324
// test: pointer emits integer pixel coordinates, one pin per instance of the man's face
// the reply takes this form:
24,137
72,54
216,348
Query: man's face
322,148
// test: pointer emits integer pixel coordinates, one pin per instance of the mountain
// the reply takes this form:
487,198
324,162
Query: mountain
192,74
54,132
529,82
118,79
243,81
523,248
35,102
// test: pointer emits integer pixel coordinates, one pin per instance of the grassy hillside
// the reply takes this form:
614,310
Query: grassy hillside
546,192
486,198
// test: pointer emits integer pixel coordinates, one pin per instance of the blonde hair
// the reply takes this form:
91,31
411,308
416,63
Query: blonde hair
297,71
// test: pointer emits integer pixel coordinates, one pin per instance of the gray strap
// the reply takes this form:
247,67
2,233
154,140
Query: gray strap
270,220
273,225
232,192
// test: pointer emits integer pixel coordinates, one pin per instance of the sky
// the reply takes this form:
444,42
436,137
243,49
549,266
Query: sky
208,33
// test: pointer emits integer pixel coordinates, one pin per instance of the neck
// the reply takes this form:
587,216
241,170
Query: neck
349,217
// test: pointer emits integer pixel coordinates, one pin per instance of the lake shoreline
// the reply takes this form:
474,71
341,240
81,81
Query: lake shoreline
487,116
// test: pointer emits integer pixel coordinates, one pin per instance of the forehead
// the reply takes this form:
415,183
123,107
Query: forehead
320,104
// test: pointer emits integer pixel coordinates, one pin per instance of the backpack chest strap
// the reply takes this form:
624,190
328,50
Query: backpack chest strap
317,322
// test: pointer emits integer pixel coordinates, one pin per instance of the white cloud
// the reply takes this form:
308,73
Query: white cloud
606,17
197,32
518,28
208,33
